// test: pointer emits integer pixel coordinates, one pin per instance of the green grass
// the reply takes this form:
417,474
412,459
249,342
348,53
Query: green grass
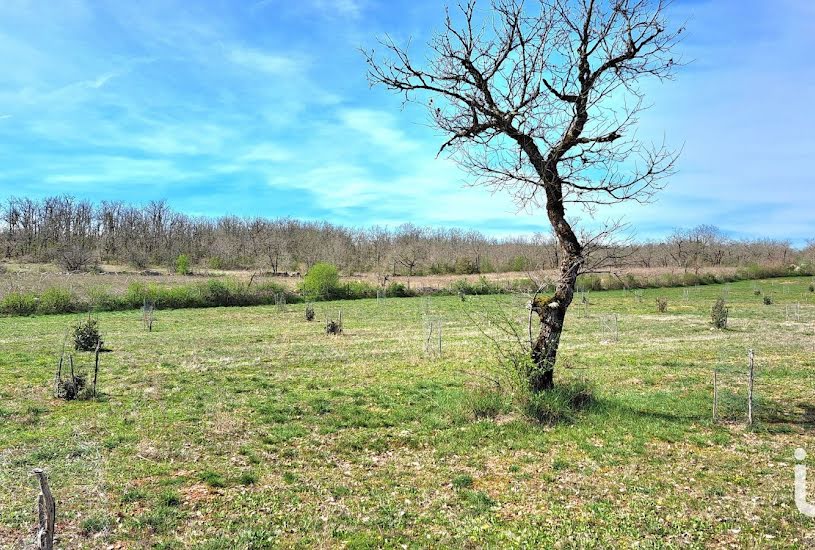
251,428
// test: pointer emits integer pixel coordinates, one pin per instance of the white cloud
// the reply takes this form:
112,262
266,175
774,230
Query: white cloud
258,60
379,127
267,152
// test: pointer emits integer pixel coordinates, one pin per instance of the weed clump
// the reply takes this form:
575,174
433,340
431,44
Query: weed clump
719,314
812,287
768,300
560,404
662,305
486,403
309,312
72,387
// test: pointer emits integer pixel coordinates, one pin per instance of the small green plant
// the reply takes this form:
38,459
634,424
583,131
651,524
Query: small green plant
756,292
478,500
719,314
309,312
170,498
182,264
486,403
213,479
86,335
812,287
560,404
463,481
133,495
768,300
322,281
662,305
248,478
95,524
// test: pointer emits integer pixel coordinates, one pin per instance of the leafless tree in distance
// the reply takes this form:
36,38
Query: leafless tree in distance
540,98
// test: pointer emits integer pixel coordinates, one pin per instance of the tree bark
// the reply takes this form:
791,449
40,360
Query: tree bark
552,315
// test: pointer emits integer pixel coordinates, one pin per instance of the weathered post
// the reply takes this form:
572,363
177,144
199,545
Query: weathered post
96,365
715,395
46,512
751,356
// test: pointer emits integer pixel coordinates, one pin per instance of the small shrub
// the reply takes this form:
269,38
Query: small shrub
182,264
86,335
662,305
56,300
19,303
768,300
72,387
333,327
560,404
398,290
812,287
75,258
321,281
756,292
719,314
309,312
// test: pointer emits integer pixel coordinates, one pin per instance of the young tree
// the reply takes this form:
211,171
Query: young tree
539,98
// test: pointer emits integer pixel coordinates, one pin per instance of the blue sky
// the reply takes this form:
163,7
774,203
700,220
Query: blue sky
262,108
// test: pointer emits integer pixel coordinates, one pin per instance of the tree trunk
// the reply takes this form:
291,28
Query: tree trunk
552,314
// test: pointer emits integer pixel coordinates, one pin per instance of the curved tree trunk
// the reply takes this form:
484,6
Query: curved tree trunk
552,314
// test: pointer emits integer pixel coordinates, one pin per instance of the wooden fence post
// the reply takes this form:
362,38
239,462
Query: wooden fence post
715,395
751,356
46,511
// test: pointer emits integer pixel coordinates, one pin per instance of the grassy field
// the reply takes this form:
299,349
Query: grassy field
251,428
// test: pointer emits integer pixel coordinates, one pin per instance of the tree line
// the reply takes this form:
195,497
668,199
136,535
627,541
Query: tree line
78,234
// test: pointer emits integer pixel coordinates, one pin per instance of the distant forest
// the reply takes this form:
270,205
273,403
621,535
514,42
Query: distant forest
78,234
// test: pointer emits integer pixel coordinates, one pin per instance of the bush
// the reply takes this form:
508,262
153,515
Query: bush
86,335
75,258
812,287
662,305
19,303
398,290
560,404
719,314
756,292
768,300
182,264
322,281
309,312
56,300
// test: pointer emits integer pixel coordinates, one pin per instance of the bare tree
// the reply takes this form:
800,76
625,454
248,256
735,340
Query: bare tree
539,99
